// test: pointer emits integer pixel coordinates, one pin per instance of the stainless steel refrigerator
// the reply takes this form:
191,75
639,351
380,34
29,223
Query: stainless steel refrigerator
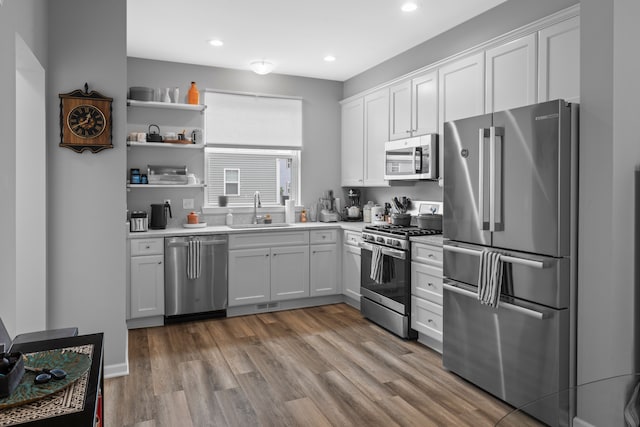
510,185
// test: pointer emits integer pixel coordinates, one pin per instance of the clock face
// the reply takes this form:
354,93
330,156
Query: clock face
86,121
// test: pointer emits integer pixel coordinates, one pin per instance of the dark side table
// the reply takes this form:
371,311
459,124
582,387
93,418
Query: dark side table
95,382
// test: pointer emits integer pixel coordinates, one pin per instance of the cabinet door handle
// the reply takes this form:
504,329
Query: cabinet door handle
147,247
159,262
430,256
430,284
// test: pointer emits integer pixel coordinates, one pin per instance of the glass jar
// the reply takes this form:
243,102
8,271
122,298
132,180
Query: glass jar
366,212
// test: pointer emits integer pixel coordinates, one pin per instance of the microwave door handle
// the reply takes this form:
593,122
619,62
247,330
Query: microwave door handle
417,159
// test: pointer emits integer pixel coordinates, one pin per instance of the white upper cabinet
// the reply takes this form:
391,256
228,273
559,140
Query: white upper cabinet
353,143
511,74
414,106
376,133
461,88
400,110
559,61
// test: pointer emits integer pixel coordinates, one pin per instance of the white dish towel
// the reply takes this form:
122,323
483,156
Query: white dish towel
194,260
490,278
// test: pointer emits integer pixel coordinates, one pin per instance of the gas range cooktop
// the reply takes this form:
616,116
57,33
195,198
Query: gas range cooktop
400,230
394,236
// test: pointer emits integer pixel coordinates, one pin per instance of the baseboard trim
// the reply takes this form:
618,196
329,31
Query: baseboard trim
578,422
117,370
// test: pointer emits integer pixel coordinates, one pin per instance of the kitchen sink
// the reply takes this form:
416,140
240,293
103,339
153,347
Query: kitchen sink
272,225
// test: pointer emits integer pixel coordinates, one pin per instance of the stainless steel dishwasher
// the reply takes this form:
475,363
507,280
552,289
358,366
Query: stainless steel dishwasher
195,277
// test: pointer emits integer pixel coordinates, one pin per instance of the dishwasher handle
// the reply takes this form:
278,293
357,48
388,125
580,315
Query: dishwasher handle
203,243
540,315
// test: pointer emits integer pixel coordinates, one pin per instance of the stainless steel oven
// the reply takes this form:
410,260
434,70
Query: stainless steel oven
386,297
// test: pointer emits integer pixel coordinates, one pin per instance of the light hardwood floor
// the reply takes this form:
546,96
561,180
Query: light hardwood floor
320,366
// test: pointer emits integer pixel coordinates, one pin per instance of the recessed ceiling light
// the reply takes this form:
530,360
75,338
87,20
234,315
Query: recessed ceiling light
216,42
409,6
329,58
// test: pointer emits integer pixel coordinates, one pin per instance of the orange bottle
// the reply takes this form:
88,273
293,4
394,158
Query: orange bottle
193,97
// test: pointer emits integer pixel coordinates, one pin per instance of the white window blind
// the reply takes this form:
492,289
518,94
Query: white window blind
274,173
253,120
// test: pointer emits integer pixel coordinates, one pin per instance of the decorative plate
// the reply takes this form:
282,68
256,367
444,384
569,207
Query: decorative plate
75,364
199,225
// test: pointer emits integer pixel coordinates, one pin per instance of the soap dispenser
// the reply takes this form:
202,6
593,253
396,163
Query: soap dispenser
229,217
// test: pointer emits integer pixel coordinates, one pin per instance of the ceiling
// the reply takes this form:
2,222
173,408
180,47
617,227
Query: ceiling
295,35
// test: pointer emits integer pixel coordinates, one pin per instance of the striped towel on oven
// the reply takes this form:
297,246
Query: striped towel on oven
194,259
377,264
490,278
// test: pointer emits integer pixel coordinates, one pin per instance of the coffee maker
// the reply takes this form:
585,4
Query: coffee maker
159,216
353,206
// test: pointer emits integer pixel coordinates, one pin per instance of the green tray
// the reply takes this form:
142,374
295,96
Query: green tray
74,363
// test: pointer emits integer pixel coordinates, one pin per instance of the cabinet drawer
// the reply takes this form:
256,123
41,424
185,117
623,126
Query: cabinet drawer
426,253
352,238
323,236
426,282
147,246
426,318
268,239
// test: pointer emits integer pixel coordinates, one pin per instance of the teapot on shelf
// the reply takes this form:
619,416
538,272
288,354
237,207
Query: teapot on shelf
154,136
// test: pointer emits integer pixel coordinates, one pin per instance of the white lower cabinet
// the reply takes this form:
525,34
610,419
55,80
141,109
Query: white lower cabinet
323,274
426,293
279,266
146,293
324,271
351,267
426,318
268,274
289,272
249,276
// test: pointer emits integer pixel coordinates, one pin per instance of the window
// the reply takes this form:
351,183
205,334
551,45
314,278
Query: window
231,182
239,172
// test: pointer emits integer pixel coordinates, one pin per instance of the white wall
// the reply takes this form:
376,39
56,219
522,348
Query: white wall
26,20
86,241
610,151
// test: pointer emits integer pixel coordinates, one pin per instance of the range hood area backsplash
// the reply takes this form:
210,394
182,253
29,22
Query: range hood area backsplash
420,190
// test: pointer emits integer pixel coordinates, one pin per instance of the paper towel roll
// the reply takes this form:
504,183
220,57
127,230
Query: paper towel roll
290,211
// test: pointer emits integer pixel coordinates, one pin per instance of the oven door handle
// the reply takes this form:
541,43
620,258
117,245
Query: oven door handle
540,315
394,253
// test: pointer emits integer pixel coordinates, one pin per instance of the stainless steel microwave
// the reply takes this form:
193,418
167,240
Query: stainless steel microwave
412,158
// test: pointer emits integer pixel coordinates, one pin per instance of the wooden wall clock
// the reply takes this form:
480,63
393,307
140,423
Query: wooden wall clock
85,120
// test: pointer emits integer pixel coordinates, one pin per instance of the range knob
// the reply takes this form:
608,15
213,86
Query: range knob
390,242
380,239
397,243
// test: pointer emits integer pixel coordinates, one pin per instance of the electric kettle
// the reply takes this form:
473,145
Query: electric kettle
159,216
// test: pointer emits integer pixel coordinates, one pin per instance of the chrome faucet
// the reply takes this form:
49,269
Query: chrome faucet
256,205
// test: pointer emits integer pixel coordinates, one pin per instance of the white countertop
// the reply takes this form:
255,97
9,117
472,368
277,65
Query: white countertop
223,229
435,239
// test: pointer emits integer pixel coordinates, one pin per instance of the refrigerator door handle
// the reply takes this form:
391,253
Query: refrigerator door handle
504,258
540,315
495,178
482,134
